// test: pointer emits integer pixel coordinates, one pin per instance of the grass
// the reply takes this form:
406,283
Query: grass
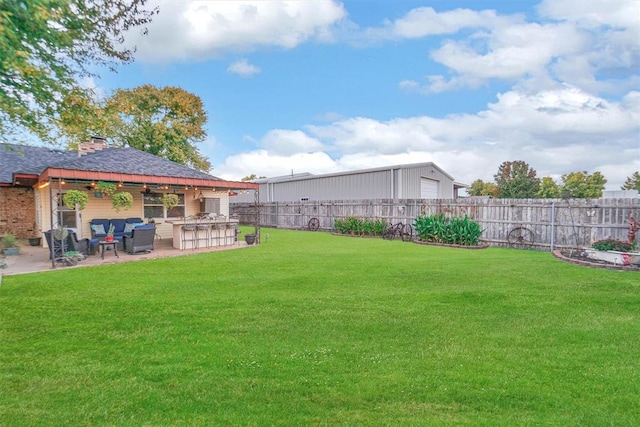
314,329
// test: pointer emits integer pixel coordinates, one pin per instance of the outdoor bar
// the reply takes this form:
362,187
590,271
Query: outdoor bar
207,232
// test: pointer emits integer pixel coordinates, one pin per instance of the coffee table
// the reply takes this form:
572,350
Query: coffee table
108,246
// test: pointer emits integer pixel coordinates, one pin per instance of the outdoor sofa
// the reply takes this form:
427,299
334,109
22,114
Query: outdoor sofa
122,227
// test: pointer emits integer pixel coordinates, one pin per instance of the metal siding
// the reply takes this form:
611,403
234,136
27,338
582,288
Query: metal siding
393,182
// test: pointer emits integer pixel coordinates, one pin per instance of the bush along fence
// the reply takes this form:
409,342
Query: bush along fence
360,226
453,231
542,224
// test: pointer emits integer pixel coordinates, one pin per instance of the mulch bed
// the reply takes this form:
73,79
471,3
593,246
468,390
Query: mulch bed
578,257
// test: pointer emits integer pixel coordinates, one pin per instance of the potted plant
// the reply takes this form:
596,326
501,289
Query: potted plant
9,245
75,198
170,200
122,200
250,238
104,188
34,241
109,236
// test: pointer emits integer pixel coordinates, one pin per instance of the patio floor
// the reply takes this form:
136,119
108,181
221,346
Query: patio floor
33,259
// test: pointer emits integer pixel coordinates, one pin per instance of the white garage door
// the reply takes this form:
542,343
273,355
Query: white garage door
428,188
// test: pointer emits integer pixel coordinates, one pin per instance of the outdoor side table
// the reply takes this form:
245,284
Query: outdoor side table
108,246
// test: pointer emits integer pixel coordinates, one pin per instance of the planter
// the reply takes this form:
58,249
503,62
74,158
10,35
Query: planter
250,239
11,251
108,239
614,257
34,241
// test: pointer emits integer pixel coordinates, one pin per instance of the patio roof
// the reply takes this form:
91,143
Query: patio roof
29,165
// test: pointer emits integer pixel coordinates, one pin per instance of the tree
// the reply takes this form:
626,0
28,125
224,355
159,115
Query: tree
582,185
252,177
516,180
166,122
481,188
632,182
549,189
46,46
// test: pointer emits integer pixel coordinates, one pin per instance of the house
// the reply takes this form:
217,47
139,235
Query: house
411,181
34,179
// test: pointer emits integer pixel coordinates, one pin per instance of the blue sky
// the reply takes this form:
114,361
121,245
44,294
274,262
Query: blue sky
324,86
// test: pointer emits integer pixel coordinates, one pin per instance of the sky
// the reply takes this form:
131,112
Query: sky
324,86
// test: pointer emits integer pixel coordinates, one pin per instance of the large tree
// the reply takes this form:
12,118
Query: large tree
549,189
167,122
481,188
632,182
582,185
516,180
47,46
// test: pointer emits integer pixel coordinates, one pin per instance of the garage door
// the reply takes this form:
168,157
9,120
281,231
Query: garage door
428,188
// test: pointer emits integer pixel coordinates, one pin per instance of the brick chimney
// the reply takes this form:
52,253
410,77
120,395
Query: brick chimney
96,144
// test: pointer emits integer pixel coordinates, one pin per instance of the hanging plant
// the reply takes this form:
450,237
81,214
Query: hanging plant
106,188
170,200
122,200
75,197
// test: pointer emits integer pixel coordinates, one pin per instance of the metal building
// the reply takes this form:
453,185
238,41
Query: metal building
412,181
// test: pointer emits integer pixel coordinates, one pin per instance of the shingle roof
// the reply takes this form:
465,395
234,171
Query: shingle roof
34,160
29,159
132,161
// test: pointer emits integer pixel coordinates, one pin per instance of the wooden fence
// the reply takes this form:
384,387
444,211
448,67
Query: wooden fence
548,223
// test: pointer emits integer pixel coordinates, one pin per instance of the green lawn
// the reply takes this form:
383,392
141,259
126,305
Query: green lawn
315,329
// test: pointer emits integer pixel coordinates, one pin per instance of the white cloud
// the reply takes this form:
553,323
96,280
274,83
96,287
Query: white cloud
195,30
264,163
290,142
619,13
243,68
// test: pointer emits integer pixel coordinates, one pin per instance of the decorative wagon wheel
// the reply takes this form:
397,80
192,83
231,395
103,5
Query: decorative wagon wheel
520,237
314,224
407,233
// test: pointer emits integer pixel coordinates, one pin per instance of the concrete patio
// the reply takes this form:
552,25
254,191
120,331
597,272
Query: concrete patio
35,259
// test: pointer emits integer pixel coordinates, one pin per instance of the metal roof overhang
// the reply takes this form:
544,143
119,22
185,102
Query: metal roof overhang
55,173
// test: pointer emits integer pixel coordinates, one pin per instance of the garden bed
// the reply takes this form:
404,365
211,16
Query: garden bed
579,257
450,245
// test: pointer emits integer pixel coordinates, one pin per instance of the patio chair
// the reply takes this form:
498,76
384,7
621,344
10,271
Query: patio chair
81,246
141,239
60,247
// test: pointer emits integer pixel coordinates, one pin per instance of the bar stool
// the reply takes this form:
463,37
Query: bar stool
230,234
220,232
203,233
189,233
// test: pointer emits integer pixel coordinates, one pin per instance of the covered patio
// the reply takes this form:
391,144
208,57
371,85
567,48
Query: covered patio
97,178
34,259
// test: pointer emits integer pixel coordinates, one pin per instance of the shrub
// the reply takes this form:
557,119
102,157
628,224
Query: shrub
437,228
340,225
611,244
360,226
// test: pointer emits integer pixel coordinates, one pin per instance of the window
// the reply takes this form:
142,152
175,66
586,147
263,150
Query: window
66,217
153,207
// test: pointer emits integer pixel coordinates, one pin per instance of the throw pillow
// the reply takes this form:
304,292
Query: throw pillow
128,227
98,229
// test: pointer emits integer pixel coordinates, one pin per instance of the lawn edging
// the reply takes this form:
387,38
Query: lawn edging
450,245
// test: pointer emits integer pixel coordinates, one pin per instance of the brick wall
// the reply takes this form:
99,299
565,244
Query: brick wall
17,212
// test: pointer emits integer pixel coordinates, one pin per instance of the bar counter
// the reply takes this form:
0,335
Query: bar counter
203,233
